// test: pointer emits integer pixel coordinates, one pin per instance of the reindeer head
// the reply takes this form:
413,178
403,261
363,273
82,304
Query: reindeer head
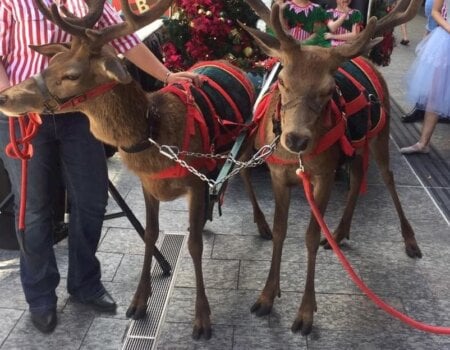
78,67
306,81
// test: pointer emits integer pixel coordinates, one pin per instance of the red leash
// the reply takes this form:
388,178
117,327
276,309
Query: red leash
380,303
21,148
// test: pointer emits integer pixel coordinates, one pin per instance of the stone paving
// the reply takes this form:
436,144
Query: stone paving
236,263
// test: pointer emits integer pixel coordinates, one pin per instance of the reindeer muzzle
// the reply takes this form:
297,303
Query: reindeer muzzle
51,103
296,143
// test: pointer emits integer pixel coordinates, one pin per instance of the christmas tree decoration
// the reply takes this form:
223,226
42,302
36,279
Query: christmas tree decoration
208,30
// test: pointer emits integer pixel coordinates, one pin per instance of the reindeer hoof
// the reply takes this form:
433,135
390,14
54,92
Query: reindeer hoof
261,309
325,244
264,230
267,234
130,311
413,251
198,331
136,313
304,327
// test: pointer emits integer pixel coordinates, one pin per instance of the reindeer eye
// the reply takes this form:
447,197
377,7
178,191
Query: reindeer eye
281,82
70,77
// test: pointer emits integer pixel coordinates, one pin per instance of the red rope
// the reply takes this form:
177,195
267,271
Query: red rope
21,148
345,263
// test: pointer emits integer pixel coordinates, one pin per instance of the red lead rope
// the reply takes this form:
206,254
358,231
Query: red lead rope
21,148
347,266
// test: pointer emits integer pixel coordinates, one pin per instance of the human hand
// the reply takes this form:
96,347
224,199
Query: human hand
184,76
328,36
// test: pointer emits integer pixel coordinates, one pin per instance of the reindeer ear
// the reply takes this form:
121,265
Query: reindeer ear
50,49
116,70
268,43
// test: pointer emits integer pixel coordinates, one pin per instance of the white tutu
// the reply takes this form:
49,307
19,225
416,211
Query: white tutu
429,76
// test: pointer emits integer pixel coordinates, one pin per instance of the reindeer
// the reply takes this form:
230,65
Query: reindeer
298,112
123,115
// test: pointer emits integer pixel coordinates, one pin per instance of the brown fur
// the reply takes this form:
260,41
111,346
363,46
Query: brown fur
119,117
306,84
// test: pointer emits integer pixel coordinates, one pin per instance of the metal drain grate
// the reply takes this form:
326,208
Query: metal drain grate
141,334
434,171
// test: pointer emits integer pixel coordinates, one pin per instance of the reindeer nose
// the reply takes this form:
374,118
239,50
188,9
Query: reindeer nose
296,143
3,99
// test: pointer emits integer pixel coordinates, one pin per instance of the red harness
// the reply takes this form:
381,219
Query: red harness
336,115
194,118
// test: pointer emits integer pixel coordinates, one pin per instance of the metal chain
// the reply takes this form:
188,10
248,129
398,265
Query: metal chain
173,153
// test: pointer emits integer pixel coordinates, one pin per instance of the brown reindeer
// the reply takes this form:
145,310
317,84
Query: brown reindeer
123,115
299,112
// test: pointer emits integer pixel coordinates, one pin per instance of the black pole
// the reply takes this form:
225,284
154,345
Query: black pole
163,263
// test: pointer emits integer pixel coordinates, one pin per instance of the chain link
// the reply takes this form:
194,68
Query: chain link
173,153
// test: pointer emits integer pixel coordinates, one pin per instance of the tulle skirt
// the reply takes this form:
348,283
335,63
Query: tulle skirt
428,78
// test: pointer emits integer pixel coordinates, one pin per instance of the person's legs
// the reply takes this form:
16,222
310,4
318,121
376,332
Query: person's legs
405,40
38,270
84,164
428,127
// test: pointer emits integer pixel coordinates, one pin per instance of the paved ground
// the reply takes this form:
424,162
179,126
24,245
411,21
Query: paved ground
236,261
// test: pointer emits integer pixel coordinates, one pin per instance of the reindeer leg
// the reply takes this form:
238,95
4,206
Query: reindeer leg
305,315
380,151
343,229
258,216
202,323
282,193
138,306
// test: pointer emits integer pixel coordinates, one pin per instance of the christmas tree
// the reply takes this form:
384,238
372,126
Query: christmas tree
208,29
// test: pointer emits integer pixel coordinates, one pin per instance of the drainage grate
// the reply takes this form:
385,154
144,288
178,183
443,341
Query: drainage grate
434,171
141,334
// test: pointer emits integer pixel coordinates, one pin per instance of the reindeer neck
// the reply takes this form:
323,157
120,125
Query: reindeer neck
119,117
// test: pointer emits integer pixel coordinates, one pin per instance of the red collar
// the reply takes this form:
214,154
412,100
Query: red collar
90,94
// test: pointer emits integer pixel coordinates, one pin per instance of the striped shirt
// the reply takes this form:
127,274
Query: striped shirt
21,24
354,17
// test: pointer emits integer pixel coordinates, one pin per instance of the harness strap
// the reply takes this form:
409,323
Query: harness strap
335,134
230,70
358,103
193,118
97,91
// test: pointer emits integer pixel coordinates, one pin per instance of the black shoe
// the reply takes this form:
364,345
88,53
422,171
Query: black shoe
404,42
414,116
44,321
104,303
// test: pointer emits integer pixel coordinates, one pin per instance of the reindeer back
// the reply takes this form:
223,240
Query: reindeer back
224,101
361,101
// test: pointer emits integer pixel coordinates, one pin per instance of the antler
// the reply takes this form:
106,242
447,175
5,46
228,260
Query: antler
80,27
404,11
88,21
132,22
260,9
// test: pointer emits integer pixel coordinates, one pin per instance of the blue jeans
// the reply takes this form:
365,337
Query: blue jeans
62,143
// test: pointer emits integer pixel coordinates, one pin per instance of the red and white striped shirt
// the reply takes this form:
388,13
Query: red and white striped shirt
21,24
